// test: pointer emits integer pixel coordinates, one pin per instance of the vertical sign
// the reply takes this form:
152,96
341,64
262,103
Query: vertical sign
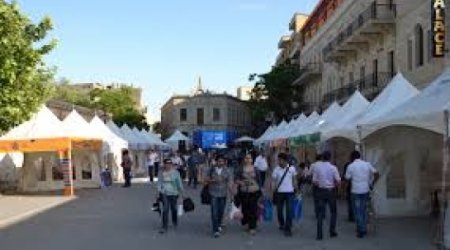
438,27
66,164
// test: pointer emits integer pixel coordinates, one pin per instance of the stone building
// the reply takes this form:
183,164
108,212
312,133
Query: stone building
62,109
289,45
205,111
361,44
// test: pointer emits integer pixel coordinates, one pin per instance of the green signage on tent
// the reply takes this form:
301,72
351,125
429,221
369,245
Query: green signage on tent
305,140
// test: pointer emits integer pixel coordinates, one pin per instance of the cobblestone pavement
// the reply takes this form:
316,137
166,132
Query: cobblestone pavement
121,219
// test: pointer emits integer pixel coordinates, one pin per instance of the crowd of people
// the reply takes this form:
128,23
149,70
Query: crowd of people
246,178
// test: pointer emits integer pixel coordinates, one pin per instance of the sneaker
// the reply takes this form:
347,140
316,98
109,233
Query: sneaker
162,231
319,237
220,229
252,232
333,235
216,235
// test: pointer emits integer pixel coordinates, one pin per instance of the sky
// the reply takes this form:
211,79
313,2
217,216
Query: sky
164,46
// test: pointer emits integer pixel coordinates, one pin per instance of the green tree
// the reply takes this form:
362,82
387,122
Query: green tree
273,93
25,81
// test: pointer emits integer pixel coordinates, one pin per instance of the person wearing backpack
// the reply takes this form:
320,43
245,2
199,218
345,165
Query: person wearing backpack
220,185
284,187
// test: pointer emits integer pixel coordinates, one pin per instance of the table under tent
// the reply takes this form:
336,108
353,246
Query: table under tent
49,150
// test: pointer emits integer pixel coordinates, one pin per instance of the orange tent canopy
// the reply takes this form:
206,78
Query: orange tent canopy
50,144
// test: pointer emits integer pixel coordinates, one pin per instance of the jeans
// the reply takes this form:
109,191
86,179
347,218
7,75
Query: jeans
359,203
262,178
156,168
286,201
217,211
350,207
150,173
127,177
193,178
169,203
326,197
316,201
249,205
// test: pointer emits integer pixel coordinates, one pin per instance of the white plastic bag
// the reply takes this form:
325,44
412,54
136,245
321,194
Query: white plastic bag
235,212
180,210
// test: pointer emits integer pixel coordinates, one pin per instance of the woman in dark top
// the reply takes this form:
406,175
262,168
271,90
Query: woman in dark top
249,193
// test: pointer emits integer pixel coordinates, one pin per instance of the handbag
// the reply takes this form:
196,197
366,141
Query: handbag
205,196
188,205
297,208
276,195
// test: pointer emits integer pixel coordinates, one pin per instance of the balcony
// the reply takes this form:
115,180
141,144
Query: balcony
370,24
369,86
308,71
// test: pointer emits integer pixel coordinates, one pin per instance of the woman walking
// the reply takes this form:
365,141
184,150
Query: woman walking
249,192
170,187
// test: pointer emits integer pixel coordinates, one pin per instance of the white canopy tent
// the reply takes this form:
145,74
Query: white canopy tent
398,91
292,127
245,139
353,107
263,137
153,139
177,136
138,149
275,134
134,142
86,164
312,119
407,145
112,157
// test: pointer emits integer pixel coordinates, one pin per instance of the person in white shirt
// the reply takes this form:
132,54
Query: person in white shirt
362,176
261,165
151,164
326,179
314,187
284,187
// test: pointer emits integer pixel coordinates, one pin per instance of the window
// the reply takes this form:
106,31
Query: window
183,115
409,55
200,116
216,114
375,72
419,46
391,63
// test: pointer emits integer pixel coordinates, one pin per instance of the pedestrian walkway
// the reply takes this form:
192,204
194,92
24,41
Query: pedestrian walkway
16,208
121,218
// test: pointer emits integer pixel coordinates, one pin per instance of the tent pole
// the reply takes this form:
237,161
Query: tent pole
445,166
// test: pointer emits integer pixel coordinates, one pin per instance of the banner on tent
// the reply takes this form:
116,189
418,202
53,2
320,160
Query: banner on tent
304,140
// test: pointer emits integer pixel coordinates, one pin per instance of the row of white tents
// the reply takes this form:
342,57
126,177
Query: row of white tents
403,132
38,171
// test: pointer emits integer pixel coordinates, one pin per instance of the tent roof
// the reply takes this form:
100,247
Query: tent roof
245,139
107,135
398,91
177,136
43,124
77,126
116,130
312,118
425,110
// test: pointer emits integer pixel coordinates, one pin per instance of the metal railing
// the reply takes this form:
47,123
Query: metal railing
312,67
375,11
370,86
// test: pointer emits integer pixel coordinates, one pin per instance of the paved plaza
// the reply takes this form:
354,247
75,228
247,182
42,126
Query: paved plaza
121,219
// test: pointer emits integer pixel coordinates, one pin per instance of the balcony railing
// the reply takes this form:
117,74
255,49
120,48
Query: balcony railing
376,13
308,71
369,86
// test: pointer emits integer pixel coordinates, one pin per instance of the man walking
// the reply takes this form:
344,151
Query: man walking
126,164
362,176
261,166
283,186
220,183
326,179
151,164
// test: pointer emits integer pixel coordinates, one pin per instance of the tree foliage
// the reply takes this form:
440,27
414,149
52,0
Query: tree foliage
117,101
273,94
25,81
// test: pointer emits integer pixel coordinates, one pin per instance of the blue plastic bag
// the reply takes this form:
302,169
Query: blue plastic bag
268,210
297,208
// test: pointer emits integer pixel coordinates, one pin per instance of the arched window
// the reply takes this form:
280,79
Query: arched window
419,40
